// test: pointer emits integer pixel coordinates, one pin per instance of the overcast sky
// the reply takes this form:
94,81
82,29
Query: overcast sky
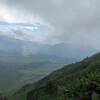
75,22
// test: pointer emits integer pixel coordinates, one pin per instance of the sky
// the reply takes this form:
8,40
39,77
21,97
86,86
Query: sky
74,22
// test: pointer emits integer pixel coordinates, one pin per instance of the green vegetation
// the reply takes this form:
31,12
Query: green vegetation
17,70
50,89
3,97
85,88
61,77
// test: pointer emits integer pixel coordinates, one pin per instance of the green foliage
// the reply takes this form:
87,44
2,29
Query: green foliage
50,88
3,97
83,89
84,85
94,96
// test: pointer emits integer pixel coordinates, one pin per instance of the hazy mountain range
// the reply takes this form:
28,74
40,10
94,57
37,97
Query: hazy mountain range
13,44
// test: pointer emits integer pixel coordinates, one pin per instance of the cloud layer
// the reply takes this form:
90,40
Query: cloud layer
69,21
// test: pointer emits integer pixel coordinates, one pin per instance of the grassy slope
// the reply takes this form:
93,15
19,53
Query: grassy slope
61,76
17,70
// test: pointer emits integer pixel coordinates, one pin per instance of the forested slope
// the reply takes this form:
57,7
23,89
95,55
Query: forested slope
60,77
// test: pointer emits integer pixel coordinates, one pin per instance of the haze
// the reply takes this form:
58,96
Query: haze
72,24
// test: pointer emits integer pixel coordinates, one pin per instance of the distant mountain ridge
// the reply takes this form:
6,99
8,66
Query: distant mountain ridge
11,44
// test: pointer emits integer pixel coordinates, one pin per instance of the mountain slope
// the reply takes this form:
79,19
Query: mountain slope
60,77
17,70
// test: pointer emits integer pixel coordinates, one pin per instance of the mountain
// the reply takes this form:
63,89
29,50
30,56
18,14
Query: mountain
26,47
66,50
17,70
61,77
9,44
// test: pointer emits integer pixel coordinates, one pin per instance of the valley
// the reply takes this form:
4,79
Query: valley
61,77
17,70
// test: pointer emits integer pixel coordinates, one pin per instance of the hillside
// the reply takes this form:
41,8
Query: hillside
17,70
60,77
83,88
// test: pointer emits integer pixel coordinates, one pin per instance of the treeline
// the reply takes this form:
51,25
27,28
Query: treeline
83,88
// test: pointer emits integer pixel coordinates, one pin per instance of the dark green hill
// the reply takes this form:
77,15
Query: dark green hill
60,77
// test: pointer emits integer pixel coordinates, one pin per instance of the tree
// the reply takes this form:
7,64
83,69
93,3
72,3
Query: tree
51,89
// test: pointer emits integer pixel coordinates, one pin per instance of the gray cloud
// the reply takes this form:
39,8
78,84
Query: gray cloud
18,33
68,21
